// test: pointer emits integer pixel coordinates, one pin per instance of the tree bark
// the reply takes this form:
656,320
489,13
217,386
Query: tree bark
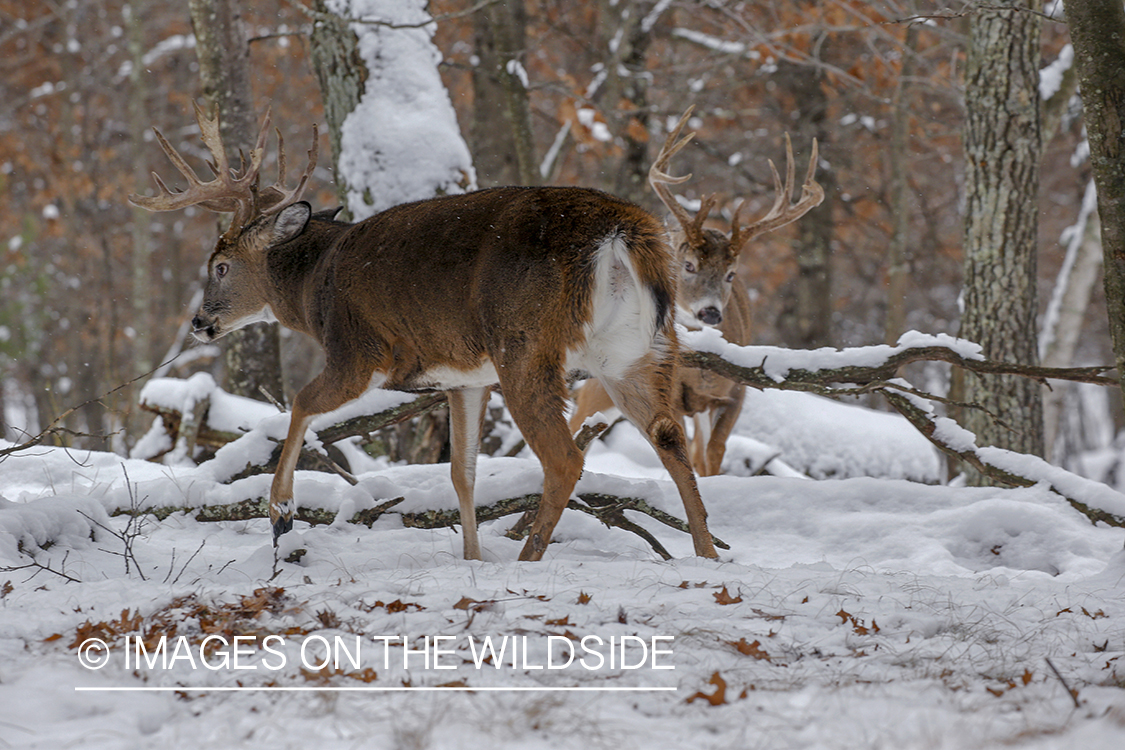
502,155
1002,155
626,36
252,355
899,256
806,320
342,75
1097,31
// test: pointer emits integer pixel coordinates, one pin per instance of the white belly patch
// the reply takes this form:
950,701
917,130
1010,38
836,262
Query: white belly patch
447,378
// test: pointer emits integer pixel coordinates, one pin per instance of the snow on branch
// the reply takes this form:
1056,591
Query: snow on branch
840,372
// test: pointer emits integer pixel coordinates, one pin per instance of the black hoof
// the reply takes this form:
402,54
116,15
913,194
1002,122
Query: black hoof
281,526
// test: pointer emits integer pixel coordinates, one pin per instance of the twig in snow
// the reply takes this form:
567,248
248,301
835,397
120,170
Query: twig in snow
1072,693
41,567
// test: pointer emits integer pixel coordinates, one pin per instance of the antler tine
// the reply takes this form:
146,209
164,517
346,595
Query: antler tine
277,196
659,178
782,212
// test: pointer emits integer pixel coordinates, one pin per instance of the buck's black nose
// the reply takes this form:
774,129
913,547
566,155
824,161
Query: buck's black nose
197,323
710,315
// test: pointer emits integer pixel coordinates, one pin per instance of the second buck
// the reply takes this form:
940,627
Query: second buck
516,286
710,294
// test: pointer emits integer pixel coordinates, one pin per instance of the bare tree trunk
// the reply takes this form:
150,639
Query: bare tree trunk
503,156
141,219
627,35
1097,31
899,257
253,354
806,320
1002,155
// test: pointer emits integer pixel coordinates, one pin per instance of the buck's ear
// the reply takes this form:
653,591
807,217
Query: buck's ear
291,221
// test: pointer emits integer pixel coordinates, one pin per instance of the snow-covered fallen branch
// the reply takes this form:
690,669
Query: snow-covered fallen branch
874,369
813,370
609,509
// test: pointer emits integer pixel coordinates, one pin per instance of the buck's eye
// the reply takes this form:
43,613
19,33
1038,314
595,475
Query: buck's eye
221,270
689,266
730,277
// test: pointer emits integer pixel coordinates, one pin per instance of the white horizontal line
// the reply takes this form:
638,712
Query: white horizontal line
369,689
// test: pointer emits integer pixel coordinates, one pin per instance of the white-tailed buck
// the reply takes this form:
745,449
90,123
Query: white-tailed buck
516,286
710,294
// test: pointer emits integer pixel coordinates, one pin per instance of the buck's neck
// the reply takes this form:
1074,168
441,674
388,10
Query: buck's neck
295,266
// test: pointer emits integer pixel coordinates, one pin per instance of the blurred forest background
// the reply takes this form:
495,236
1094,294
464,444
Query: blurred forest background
94,293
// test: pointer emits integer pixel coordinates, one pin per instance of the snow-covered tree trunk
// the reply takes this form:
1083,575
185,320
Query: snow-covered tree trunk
253,354
1002,155
392,127
1097,31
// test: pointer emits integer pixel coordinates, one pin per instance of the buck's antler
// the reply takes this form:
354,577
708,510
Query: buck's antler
233,190
659,178
782,212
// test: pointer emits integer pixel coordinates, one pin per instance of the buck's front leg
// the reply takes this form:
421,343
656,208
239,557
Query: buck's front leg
329,390
282,505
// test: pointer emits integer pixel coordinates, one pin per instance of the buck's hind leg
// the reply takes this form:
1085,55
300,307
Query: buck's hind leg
535,394
466,419
643,397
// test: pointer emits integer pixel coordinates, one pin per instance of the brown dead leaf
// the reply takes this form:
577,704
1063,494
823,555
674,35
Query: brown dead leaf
750,649
266,599
724,597
465,602
562,622
717,698
583,597
1027,676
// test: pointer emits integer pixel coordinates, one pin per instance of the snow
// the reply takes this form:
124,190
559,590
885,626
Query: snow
861,611
402,141
1050,76
777,362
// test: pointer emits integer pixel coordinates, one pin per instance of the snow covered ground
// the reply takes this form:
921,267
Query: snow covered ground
856,612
